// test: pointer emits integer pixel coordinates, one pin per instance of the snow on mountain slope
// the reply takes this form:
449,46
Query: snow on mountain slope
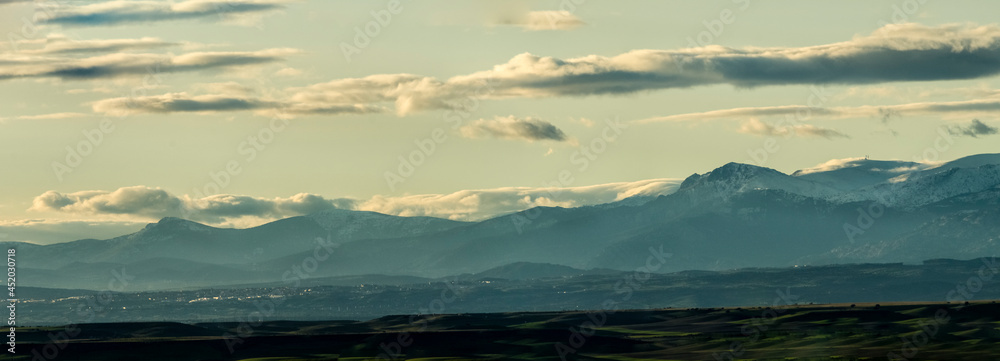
855,173
926,187
971,161
362,224
902,183
733,178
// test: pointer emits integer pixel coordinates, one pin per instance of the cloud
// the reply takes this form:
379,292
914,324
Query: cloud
232,206
19,66
178,102
474,205
52,116
128,12
881,112
856,162
913,91
347,96
511,127
544,20
288,72
757,127
143,201
155,203
906,52
229,87
183,102
62,45
976,129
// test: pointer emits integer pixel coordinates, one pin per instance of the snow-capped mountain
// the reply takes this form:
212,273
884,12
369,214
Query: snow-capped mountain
903,184
347,224
920,188
737,215
734,178
855,173
890,183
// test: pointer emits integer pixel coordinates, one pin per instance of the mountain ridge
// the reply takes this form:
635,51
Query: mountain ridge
737,215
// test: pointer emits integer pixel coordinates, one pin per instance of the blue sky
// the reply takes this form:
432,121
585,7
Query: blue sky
238,112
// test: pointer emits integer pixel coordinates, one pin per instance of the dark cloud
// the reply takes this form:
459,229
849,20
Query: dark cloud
13,66
976,129
529,129
179,102
127,12
887,113
906,52
184,103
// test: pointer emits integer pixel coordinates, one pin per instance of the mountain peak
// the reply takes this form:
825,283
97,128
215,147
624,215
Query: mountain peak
175,224
732,172
734,178
738,169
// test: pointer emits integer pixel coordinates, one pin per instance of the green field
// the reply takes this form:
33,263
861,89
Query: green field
815,332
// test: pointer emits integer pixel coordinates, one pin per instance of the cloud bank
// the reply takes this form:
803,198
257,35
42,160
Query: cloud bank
895,53
146,203
155,203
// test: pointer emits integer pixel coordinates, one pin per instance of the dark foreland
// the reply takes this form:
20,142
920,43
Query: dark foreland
931,331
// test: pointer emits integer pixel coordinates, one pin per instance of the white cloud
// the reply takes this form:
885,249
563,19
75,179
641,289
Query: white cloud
52,116
963,108
289,72
835,164
757,127
481,204
544,20
138,203
57,44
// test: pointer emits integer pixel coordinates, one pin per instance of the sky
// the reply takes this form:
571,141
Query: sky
233,113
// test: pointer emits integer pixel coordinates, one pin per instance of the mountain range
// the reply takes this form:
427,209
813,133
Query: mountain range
735,216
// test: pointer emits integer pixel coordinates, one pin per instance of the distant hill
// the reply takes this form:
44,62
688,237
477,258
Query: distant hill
531,271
